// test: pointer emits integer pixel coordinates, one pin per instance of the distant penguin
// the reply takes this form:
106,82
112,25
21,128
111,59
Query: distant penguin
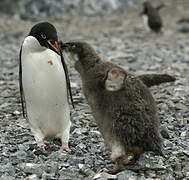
122,105
43,85
152,20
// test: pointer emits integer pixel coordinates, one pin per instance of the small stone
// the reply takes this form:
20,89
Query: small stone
16,113
87,171
80,166
168,144
180,106
164,132
175,152
81,146
31,168
183,122
20,154
104,176
183,134
127,174
33,177
7,178
48,176
186,152
65,165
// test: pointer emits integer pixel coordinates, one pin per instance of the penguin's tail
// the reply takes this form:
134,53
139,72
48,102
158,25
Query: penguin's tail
156,79
156,146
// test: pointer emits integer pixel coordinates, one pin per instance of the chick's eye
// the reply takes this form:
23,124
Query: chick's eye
43,36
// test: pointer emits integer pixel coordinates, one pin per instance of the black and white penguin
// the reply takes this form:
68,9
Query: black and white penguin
152,20
43,85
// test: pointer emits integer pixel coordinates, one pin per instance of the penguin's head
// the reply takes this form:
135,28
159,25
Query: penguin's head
146,6
80,54
46,35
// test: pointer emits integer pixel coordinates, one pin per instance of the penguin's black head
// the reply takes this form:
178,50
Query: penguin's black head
46,34
146,6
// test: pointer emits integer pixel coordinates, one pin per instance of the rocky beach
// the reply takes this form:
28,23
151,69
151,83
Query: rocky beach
119,37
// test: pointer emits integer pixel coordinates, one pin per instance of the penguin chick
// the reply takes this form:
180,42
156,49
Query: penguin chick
126,113
43,85
152,19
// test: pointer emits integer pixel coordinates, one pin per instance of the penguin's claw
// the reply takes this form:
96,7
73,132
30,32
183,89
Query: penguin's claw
66,148
113,170
41,145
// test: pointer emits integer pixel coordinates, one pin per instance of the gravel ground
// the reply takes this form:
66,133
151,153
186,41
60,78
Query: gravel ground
120,39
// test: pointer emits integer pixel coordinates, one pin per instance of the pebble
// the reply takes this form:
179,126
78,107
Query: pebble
164,132
16,113
186,151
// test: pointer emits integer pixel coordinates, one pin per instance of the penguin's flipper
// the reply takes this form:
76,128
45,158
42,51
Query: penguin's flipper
161,6
66,73
155,79
21,86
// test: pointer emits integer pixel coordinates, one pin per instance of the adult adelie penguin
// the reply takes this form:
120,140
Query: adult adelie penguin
152,19
44,85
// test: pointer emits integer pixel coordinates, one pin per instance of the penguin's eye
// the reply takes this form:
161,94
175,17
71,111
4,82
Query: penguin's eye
43,36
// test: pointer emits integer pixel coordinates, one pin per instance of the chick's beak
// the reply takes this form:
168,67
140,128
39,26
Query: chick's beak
65,46
54,46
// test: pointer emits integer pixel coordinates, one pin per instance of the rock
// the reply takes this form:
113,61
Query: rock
16,113
186,151
183,122
31,168
4,177
33,177
104,176
180,106
185,169
164,132
68,174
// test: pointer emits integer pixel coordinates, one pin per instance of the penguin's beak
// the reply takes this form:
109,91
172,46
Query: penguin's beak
53,45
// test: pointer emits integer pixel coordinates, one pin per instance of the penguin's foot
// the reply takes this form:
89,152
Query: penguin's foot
65,147
41,145
129,161
136,152
117,167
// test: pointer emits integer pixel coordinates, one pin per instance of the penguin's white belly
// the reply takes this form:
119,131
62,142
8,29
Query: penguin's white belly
45,91
145,20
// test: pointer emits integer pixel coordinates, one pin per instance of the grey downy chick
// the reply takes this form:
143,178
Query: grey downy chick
122,105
